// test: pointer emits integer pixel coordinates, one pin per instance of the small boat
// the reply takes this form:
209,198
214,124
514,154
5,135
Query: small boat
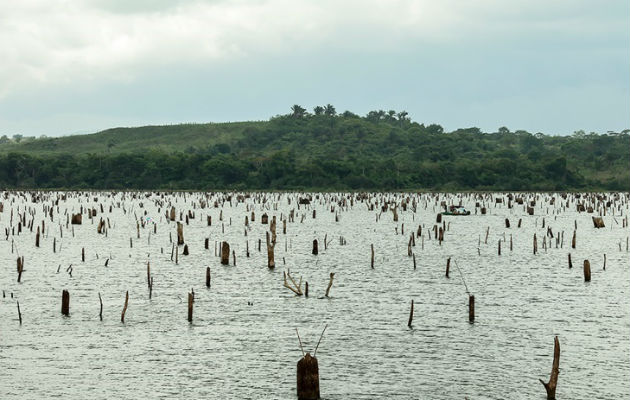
457,211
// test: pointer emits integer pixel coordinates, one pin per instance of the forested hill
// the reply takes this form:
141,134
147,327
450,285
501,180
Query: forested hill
319,151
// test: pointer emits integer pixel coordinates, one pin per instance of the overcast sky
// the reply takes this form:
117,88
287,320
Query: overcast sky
552,66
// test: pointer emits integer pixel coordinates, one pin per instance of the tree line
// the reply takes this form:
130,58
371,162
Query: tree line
326,150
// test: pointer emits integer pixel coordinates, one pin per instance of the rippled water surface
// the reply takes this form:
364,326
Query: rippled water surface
242,343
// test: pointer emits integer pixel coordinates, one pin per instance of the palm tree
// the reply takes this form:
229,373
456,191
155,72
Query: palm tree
330,110
298,111
402,117
319,110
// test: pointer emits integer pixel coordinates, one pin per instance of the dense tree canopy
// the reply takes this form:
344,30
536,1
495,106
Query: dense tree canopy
324,150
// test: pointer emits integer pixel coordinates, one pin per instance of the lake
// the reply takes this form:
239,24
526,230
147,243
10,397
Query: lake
242,343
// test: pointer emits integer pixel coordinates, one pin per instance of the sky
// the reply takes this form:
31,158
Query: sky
80,66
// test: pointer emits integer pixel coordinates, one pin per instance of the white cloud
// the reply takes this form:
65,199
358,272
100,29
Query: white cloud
70,42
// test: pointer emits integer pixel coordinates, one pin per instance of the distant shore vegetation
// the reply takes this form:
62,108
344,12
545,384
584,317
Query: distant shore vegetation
318,150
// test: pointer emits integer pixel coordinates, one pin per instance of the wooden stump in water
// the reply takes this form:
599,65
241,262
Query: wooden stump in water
207,277
180,233
550,386
185,250
332,276
20,268
190,307
172,214
315,247
270,252
308,378
122,316
372,260
65,303
225,253
264,219
100,313
587,271
448,266
598,222
410,315
77,219
471,308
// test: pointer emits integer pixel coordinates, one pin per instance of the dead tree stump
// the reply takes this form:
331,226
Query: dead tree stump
65,303
315,247
550,386
190,307
598,222
587,271
332,276
180,233
225,253
471,308
372,260
122,316
270,252
308,378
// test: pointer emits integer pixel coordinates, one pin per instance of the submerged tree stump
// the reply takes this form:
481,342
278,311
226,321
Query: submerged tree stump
550,386
598,222
190,307
271,263
172,214
180,233
77,219
225,253
315,248
471,308
122,316
448,266
587,271
308,378
372,259
332,277
65,303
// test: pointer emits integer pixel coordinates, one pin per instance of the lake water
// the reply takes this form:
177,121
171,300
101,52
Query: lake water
242,343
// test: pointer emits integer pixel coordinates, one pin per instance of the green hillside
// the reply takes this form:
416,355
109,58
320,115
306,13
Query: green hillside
323,150
123,140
